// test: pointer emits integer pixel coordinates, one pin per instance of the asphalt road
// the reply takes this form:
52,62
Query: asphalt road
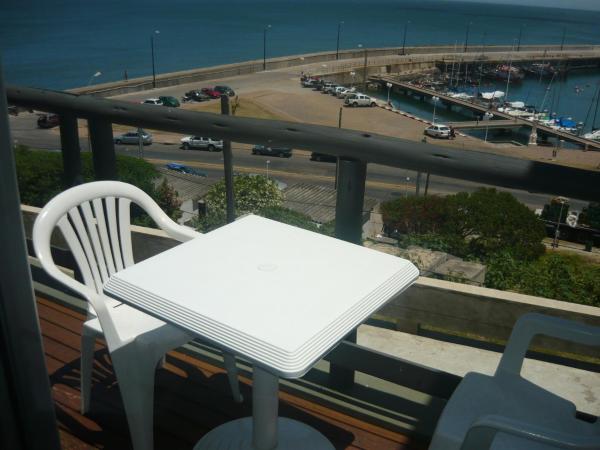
383,182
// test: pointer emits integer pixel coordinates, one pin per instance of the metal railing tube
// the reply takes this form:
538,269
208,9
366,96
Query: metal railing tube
228,166
479,167
71,152
348,226
103,149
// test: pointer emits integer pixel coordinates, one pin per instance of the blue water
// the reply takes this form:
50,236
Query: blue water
60,44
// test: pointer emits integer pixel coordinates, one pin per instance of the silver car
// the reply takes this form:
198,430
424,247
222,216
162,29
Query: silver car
132,137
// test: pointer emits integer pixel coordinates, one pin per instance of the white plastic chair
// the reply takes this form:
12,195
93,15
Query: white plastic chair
506,411
94,219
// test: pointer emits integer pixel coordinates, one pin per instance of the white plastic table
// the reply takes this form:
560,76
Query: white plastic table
277,295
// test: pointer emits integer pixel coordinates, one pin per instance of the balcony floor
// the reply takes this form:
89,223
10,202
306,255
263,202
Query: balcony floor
191,398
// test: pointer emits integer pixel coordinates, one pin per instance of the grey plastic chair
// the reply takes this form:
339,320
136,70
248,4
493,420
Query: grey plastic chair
505,411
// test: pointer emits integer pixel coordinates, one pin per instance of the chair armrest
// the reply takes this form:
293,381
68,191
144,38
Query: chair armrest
482,432
532,324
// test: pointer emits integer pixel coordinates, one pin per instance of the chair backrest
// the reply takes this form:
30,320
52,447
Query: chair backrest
94,219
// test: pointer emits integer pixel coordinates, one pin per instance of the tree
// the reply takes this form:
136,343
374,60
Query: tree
591,215
252,194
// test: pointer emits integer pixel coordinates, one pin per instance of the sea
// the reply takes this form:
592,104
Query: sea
61,44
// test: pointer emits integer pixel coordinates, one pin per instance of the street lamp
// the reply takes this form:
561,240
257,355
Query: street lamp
406,190
389,86
265,46
435,100
352,74
337,47
364,69
467,36
153,63
268,162
96,75
562,201
404,39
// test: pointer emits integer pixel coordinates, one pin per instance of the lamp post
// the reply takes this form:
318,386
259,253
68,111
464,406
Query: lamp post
467,36
404,39
557,232
406,186
96,75
268,162
337,47
435,100
364,69
265,46
153,63
389,86
352,74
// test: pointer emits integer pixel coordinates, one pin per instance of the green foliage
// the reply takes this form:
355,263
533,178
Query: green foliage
470,225
563,277
40,178
252,194
290,217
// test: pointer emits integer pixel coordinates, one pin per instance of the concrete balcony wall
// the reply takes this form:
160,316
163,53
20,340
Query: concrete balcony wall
437,304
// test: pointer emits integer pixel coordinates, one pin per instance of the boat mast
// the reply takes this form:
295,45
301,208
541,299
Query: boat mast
509,71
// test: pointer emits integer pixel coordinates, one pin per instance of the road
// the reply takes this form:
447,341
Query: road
383,182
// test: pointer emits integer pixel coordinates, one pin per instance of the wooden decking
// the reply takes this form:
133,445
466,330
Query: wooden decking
191,398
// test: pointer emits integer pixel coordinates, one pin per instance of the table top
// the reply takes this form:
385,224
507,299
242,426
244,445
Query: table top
278,295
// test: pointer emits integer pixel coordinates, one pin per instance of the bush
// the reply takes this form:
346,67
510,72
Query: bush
40,178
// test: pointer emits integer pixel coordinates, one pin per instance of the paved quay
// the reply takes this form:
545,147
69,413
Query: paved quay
280,94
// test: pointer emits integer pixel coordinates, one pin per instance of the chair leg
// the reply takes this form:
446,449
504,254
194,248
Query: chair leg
88,343
136,383
232,375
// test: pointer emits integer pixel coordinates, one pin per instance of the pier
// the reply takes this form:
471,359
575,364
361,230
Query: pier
507,120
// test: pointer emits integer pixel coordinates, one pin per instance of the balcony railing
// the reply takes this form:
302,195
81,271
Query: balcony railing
355,150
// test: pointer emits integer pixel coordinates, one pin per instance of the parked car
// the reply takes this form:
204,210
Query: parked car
181,168
314,156
439,131
152,101
211,92
202,143
327,86
358,99
132,137
282,152
347,91
310,82
225,90
48,121
337,89
167,100
195,96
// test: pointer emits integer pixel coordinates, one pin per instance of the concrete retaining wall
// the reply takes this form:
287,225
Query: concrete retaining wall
454,307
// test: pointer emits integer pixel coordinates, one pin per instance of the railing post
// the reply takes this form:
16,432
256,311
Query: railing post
348,226
228,165
71,152
103,149
28,417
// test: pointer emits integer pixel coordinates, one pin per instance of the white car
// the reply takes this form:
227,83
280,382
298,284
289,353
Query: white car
358,99
327,87
203,143
439,131
337,89
346,91
152,101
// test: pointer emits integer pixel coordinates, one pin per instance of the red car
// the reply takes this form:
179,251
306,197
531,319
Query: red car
211,92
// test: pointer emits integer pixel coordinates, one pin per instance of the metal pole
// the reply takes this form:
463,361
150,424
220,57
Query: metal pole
562,42
418,184
28,418
153,66
265,408
404,39
71,152
556,233
265,47
103,149
467,37
365,73
426,185
520,35
337,47
140,143
337,160
348,227
228,166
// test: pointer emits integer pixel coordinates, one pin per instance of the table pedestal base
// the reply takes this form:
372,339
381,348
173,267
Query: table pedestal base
237,434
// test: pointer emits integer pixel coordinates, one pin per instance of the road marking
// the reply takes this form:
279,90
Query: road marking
282,173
